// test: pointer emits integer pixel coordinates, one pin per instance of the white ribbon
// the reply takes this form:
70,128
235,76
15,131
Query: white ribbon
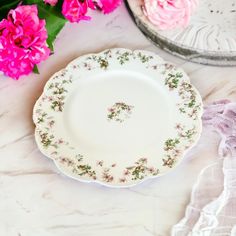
212,210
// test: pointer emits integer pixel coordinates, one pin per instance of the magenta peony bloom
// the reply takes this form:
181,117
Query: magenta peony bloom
51,2
22,41
75,10
108,6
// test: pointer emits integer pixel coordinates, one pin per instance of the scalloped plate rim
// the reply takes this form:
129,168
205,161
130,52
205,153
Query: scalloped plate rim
102,183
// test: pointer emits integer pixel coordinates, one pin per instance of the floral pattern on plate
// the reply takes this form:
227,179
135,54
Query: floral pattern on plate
119,112
54,143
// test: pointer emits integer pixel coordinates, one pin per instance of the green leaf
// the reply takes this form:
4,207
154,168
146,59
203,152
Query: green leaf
6,5
54,19
35,69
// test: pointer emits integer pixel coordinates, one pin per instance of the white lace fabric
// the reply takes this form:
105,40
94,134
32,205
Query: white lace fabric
212,209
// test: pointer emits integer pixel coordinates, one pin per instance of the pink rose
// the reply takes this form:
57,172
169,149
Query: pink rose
75,10
169,14
108,6
51,2
22,41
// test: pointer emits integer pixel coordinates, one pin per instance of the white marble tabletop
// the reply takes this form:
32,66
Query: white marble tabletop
36,200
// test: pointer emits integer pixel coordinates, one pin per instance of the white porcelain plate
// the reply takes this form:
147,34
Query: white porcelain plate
117,117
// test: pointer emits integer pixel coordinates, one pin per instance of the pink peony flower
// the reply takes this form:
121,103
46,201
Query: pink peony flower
75,10
169,14
22,41
108,6
51,2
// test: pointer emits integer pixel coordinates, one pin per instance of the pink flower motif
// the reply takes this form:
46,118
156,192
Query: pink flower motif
169,14
123,180
51,2
108,6
100,163
151,169
22,41
60,141
75,10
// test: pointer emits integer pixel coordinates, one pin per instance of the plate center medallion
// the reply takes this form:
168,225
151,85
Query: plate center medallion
119,112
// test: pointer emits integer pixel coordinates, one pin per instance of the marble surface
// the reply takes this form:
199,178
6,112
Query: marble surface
36,200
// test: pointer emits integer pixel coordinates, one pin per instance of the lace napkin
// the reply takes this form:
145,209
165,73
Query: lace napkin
212,210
